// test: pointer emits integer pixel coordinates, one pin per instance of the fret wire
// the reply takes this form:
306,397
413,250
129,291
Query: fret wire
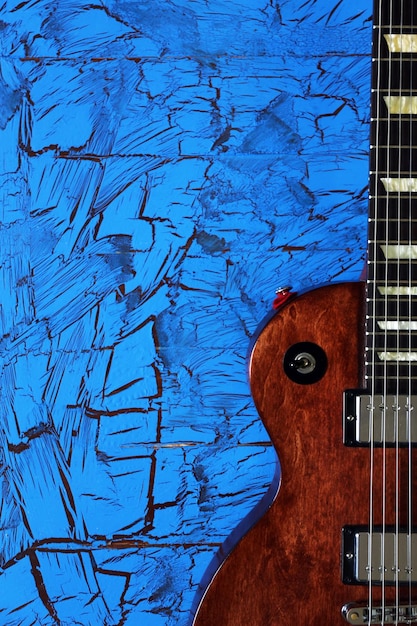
388,119
399,241
395,26
411,94
392,220
393,174
383,300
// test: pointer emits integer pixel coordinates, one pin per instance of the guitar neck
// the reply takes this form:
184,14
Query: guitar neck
391,353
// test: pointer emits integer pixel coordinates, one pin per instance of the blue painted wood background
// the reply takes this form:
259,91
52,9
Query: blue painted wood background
165,165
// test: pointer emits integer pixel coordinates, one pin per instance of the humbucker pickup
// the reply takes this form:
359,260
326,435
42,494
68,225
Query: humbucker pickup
379,420
387,557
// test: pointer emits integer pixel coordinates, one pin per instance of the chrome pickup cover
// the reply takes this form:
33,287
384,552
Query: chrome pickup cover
354,614
389,419
380,557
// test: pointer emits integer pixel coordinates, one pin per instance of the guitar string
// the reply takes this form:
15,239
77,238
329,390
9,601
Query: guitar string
371,327
398,258
397,400
400,209
372,286
384,400
386,296
410,390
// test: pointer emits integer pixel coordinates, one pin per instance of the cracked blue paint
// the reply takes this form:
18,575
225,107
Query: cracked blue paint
164,166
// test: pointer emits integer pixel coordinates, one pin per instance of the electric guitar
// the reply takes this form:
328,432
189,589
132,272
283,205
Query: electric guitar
334,377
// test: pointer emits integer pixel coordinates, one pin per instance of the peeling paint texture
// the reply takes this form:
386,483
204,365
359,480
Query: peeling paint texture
164,166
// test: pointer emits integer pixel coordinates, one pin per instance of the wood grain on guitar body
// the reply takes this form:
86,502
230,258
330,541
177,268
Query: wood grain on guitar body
334,377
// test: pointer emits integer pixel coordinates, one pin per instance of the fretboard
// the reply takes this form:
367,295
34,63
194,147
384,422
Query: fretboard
391,325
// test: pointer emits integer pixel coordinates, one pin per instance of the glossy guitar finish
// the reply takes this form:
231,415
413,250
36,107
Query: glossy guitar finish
286,570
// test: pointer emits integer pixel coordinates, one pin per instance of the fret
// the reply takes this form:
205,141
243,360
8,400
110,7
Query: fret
384,118
393,384
391,59
395,175
394,146
405,383
392,220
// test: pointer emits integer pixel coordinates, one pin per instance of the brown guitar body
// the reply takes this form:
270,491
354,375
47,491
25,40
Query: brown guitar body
286,571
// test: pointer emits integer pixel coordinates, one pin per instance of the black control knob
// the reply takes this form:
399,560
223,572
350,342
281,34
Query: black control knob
305,363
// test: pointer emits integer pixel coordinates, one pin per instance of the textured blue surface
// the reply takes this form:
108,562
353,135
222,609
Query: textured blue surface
164,166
